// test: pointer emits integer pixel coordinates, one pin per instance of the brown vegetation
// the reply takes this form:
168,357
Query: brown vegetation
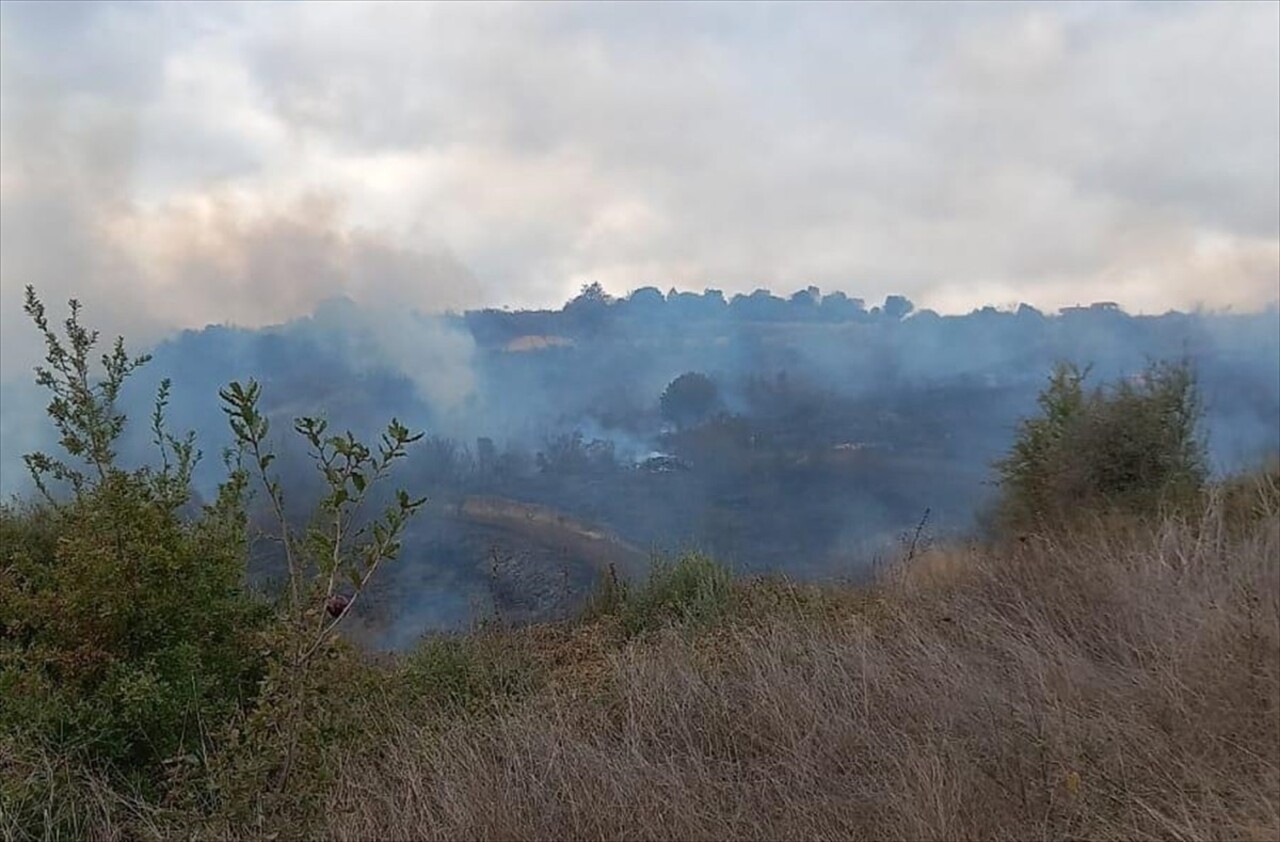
530,523
1118,683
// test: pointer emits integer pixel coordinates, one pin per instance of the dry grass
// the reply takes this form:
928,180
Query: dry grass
44,796
1120,682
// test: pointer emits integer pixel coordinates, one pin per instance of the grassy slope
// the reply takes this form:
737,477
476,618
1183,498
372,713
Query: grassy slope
1120,681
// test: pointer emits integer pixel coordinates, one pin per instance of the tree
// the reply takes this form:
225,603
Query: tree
1133,446
588,311
807,298
759,306
646,299
898,307
593,292
331,562
838,307
571,454
689,398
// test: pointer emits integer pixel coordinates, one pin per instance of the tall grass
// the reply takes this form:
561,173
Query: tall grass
1120,682
47,794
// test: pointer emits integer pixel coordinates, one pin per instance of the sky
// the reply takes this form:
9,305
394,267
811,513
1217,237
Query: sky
182,164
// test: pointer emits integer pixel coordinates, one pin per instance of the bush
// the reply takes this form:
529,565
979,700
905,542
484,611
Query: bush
691,589
132,636
126,631
466,673
1130,446
689,398
129,643
609,597
271,763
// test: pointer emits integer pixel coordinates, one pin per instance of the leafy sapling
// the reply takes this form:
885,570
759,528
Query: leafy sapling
337,549
83,408
178,456
84,411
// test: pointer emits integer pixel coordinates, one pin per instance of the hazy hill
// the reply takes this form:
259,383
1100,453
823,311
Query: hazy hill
833,427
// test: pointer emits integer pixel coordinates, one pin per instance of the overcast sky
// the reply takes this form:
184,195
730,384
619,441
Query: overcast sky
181,164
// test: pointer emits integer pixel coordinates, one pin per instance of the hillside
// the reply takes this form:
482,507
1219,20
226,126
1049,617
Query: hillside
831,427
1100,659
1115,681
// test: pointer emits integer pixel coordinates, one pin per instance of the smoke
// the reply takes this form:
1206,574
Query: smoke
434,353
321,197
836,426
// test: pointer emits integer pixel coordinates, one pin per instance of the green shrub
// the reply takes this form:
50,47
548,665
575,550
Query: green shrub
126,631
129,644
303,706
466,673
1130,446
692,589
271,763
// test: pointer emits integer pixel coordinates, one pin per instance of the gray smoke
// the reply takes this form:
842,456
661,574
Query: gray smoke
833,426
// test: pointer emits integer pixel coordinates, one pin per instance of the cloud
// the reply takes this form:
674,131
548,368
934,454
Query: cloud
181,164
153,200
